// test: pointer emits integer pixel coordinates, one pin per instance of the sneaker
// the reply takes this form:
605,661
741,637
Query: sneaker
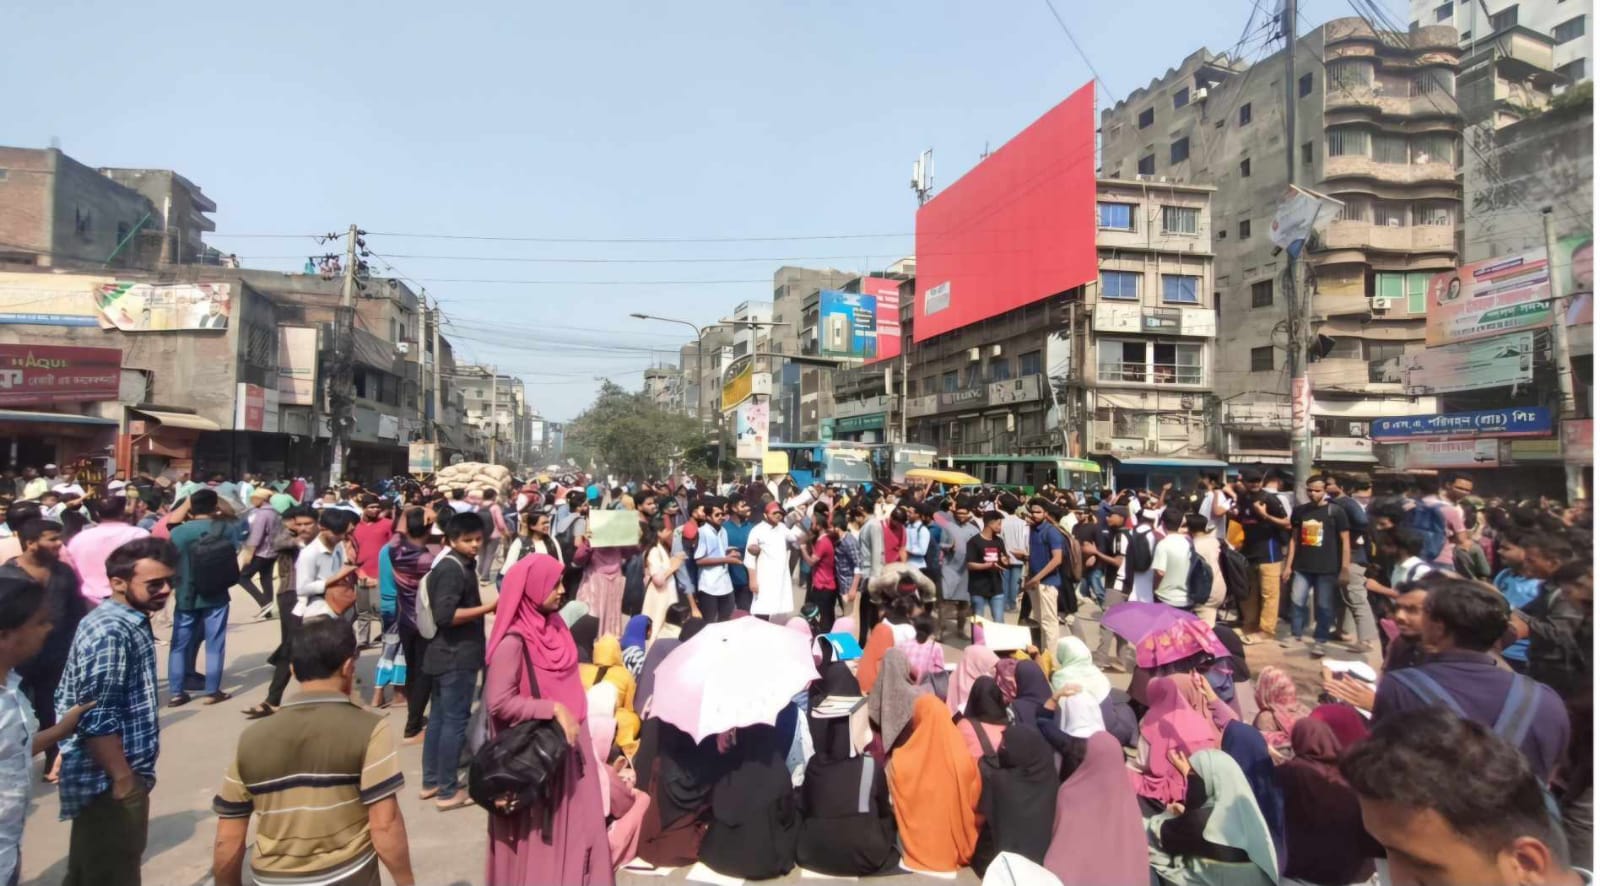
1318,650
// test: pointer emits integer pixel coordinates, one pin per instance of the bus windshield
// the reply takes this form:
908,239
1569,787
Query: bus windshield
846,466
910,457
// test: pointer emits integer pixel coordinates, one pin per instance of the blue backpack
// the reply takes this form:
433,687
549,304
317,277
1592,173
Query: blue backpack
1428,521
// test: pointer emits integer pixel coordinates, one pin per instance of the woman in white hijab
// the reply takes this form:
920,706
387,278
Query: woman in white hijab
1217,836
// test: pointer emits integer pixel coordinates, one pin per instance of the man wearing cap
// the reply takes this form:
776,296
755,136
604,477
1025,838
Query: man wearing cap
771,585
37,485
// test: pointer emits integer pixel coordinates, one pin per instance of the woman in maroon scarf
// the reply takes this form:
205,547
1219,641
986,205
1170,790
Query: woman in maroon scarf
1324,836
529,632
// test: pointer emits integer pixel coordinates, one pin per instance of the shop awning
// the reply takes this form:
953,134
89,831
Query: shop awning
65,418
180,420
1172,463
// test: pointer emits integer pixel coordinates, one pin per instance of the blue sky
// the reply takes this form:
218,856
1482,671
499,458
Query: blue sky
587,121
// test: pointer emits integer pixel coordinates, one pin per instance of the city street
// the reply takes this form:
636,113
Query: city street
446,848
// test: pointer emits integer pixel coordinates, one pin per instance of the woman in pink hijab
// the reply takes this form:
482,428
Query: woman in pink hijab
533,675
1169,725
977,661
1280,706
1110,845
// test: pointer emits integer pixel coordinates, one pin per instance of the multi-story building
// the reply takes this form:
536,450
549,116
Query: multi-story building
1479,22
496,409
664,385
797,389
1376,127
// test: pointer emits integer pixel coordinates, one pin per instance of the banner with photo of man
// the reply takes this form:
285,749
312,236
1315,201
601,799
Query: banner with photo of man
165,307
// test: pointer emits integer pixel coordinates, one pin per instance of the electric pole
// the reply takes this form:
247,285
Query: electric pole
1299,383
438,391
494,413
1563,353
341,396
422,353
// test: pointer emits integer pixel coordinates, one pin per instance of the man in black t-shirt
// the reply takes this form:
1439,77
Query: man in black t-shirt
1086,534
986,557
1263,518
1318,561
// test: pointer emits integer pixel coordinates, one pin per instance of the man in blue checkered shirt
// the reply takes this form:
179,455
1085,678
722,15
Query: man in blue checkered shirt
108,766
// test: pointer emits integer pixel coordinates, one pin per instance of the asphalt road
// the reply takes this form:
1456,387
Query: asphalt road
446,848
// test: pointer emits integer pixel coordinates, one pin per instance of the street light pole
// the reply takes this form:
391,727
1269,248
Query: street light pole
699,380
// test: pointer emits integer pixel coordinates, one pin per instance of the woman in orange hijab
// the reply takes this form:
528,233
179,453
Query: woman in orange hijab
935,786
879,642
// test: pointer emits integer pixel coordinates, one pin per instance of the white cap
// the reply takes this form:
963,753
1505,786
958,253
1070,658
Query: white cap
49,467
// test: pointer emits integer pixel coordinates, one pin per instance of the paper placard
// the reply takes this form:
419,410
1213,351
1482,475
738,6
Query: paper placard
1005,638
613,529
835,706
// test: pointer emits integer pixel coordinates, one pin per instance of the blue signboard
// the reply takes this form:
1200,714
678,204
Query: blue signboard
1516,421
847,324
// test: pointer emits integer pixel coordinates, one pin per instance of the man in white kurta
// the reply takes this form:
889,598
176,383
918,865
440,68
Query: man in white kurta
771,582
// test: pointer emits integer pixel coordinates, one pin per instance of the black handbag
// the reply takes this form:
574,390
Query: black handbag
523,768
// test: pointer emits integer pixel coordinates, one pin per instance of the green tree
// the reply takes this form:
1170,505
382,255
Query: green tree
631,436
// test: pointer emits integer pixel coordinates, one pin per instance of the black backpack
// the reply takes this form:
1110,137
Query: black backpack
1198,581
633,585
214,563
1141,553
525,766
1235,573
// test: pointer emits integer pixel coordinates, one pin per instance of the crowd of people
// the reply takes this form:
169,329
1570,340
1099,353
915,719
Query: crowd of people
1029,760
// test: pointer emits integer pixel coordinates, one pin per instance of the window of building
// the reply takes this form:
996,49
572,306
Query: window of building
1434,82
1391,149
1121,285
1465,36
1028,364
1569,30
1180,150
1147,164
1261,359
1176,363
1180,220
1574,70
1122,360
974,375
1180,98
1388,214
1505,18
1244,168
1147,117
1356,208
1305,85
1433,147
1384,350
1261,294
1306,154
1349,74
1348,142
1180,289
1116,216
2,175
1435,213
1244,229
950,382
1443,12
1410,289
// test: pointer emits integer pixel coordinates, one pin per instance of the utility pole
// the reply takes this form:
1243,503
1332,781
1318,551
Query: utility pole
422,355
1299,383
342,393
438,391
1563,352
494,413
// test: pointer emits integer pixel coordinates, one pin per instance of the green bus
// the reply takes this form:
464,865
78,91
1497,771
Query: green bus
1026,473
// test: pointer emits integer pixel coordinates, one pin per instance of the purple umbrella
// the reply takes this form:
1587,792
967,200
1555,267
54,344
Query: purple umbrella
1161,634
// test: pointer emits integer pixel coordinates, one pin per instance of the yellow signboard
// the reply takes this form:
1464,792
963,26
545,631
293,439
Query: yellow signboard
774,463
738,389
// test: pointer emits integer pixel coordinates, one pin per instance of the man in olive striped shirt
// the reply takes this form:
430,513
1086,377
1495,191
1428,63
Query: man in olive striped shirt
320,776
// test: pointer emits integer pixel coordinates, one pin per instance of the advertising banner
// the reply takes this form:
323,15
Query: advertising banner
297,365
1491,363
847,324
1517,421
49,300
37,375
1577,441
750,427
255,408
1301,212
1133,319
1453,454
1490,297
164,307
887,294
422,458
1017,228
739,385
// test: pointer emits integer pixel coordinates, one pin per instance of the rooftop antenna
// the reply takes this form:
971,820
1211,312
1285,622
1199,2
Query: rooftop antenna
922,176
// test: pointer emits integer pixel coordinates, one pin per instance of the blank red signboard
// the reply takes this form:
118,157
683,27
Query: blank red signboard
1017,228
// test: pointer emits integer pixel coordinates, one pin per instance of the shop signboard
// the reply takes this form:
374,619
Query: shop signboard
1162,321
852,423
1489,363
1515,421
38,375
422,458
1488,298
887,293
847,325
1453,454
751,428
297,365
255,408
165,307
50,300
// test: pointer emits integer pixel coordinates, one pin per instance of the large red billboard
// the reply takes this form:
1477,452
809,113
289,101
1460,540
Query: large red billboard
36,375
887,292
1017,228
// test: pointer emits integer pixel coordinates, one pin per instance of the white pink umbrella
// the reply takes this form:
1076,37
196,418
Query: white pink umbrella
731,674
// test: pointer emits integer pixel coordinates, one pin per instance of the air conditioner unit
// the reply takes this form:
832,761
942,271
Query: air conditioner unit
972,355
1101,445
1358,429
404,347
994,350
1200,94
1382,303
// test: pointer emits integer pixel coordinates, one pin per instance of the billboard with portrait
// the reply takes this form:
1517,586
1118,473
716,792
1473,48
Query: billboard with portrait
847,325
1488,298
165,307
1017,228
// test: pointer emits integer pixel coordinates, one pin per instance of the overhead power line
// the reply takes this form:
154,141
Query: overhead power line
514,239
1081,54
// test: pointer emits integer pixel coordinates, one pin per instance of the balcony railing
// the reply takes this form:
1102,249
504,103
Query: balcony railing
1152,373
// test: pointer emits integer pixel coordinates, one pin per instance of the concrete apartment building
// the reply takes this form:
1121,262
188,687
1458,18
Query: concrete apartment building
802,395
1478,22
1376,127
496,413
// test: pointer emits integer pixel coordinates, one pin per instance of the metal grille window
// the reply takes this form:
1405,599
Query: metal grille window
1389,214
1391,149
1261,294
1180,288
1120,285
1180,219
1439,214
1433,148
1261,359
1349,143
1358,209
1434,83
1349,74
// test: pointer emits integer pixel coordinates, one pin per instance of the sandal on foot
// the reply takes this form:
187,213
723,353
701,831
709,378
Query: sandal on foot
259,711
216,697
459,801
179,700
427,793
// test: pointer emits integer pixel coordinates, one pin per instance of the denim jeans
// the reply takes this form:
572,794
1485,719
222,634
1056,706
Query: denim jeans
992,608
447,731
1011,582
1095,585
189,628
1326,588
